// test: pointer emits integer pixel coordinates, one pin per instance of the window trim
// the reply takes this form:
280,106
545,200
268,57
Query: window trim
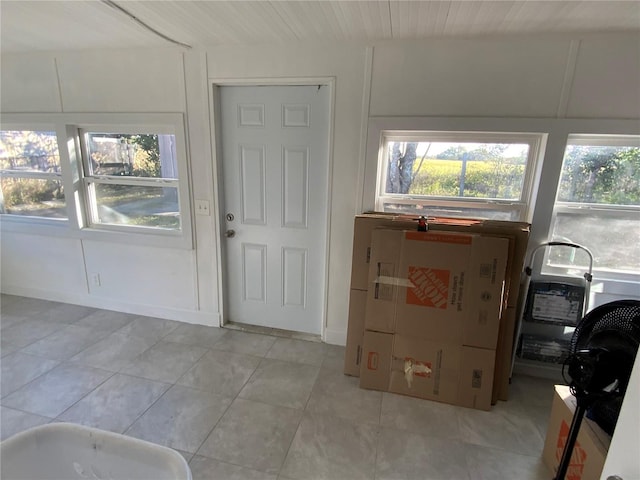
67,127
89,179
8,123
521,206
579,208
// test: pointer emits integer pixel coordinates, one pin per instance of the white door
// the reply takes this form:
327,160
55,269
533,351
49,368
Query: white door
275,184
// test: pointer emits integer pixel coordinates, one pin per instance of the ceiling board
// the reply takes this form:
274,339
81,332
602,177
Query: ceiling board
43,25
90,24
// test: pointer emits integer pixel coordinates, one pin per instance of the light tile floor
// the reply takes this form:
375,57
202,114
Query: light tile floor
243,405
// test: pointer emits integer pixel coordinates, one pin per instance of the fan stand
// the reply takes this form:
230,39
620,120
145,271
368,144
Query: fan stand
578,415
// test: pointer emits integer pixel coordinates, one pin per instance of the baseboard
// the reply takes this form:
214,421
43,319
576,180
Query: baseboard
335,337
211,319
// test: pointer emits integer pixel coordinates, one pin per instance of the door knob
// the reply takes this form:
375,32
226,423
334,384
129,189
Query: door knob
230,233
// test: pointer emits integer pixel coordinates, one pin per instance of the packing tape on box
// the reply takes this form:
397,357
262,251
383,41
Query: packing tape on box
397,281
411,368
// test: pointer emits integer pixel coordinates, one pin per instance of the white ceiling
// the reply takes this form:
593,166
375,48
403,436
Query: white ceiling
83,24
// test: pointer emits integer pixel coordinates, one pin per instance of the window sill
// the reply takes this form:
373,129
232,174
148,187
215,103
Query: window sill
64,229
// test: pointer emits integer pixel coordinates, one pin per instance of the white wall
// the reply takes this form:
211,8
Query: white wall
544,77
139,279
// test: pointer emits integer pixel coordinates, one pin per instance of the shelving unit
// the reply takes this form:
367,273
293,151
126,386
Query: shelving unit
553,307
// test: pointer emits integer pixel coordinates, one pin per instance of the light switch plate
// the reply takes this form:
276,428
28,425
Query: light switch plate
202,207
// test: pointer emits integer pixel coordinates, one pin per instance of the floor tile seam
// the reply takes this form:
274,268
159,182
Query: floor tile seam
148,408
276,405
31,343
293,437
60,364
498,448
121,370
290,362
227,462
458,441
65,358
501,449
237,352
87,394
4,395
428,436
315,381
27,412
139,377
232,400
170,331
378,440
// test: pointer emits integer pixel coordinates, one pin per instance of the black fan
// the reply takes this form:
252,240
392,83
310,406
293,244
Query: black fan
603,350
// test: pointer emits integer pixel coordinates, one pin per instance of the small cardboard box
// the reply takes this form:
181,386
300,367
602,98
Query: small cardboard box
425,369
355,332
590,452
438,286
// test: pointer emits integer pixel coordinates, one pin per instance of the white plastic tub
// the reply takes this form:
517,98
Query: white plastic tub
66,451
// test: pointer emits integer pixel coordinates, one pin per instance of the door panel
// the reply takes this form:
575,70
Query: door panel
275,179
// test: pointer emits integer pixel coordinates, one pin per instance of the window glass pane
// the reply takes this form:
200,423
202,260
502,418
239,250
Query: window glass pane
458,169
32,197
137,155
29,151
140,206
603,176
612,239
600,174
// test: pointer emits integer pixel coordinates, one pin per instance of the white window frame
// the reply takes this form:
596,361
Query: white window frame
15,124
68,128
577,208
90,179
519,206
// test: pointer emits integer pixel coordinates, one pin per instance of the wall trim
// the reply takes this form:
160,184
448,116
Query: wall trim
210,319
335,337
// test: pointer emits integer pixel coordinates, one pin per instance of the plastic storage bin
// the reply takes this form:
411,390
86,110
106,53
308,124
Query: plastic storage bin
66,451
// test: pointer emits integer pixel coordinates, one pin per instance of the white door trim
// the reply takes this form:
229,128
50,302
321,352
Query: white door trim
214,113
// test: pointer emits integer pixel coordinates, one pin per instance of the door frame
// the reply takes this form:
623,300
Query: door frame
216,150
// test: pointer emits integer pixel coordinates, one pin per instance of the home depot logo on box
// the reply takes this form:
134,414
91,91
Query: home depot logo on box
430,287
578,457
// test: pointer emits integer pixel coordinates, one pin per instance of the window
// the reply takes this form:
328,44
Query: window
30,174
598,205
465,174
131,179
110,177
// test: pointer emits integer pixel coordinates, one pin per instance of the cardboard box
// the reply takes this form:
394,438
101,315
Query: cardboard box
590,452
426,369
363,227
355,332
516,232
438,286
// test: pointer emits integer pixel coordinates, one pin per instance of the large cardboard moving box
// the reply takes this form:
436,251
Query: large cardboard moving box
590,452
439,286
516,232
432,315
